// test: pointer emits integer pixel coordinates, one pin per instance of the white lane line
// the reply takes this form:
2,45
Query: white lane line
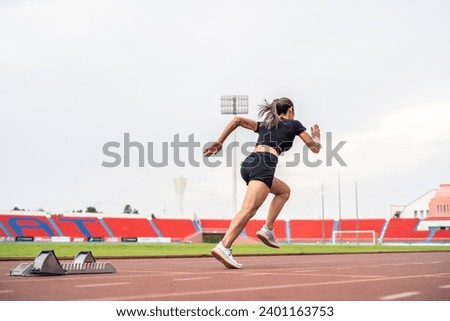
6,291
304,271
193,279
100,284
398,296
258,274
159,296
447,286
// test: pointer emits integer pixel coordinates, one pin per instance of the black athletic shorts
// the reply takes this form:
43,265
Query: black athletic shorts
259,166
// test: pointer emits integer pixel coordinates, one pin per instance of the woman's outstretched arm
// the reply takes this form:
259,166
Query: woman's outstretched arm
313,140
232,125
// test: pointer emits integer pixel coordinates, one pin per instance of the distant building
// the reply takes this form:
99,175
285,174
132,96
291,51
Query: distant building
432,208
440,204
418,208
433,204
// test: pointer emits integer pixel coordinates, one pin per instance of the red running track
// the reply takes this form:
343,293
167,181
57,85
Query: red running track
336,277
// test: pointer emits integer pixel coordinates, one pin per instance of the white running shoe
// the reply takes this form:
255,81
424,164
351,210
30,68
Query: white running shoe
268,237
225,256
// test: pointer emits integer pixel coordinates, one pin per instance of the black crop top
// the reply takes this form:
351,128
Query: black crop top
280,138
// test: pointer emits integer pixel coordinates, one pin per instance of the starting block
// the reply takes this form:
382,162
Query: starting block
46,263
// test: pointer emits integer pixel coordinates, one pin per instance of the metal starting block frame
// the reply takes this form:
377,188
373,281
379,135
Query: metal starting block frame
46,263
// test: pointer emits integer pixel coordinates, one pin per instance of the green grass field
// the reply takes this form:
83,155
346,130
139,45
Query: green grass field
124,250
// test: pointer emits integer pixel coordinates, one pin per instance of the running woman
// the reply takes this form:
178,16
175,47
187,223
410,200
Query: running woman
276,134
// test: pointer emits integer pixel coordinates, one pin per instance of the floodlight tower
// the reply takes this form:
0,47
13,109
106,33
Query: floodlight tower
234,105
339,199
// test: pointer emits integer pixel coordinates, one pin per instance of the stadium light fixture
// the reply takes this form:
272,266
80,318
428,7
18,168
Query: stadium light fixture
234,105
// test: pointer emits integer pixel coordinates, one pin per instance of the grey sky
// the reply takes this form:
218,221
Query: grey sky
77,74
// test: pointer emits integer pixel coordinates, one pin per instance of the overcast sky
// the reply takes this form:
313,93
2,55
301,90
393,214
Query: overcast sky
75,75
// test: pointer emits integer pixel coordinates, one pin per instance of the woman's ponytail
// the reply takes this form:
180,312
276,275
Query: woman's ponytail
270,112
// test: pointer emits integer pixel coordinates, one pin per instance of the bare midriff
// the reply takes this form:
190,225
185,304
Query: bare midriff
265,148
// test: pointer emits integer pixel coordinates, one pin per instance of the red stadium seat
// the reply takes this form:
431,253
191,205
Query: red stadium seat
311,230
176,229
28,225
404,230
80,226
130,227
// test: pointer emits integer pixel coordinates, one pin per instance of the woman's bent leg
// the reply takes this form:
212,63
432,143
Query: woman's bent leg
256,193
282,192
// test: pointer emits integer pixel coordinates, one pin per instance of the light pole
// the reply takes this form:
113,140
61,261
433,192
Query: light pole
234,105
339,196
323,217
357,218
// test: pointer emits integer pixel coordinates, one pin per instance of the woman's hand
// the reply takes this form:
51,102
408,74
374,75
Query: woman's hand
213,149
313,140
315,133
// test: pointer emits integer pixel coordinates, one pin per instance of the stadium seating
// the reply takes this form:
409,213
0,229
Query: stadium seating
43,227
80,226
176,229
363,225
253,226
214,225
441,236
2,232
404,230
27,225
130,227
375,225
311,230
